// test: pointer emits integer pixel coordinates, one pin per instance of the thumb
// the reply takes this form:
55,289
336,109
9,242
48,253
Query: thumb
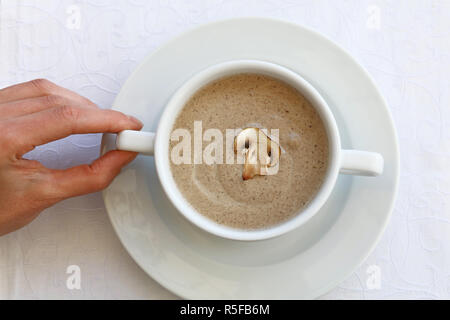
86,179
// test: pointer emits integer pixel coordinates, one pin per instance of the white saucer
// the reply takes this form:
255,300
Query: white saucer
309,261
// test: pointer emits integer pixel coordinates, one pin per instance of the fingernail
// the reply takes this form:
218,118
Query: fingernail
135,120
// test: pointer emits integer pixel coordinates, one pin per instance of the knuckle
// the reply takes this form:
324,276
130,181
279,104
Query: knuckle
88,102
99,179
68,113
43,85
55,100
91,104
102,182
120,118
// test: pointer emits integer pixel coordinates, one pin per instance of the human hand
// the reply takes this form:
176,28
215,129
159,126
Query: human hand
38,112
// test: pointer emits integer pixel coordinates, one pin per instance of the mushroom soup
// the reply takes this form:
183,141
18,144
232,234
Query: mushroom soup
278,174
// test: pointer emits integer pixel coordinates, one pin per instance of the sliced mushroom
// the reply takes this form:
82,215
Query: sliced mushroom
259,151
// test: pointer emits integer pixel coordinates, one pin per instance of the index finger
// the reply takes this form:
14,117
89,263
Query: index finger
26,132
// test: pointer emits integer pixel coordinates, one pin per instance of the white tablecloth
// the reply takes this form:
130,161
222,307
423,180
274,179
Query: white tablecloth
91,47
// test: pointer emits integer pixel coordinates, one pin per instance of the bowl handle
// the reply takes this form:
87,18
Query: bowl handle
362,163
136,141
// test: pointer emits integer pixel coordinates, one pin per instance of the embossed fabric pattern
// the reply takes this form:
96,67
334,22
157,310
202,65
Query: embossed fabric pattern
92,46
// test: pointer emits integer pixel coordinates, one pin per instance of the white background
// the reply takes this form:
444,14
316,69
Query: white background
91,47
